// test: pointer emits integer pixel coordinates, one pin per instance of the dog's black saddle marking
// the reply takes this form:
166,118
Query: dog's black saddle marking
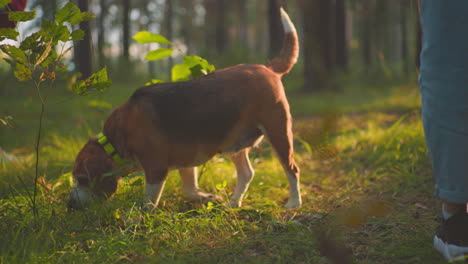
188,112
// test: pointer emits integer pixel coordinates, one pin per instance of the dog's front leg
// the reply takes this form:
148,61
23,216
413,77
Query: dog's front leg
245,175
189,177
154,185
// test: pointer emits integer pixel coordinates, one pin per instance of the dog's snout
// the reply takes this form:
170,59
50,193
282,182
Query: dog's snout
79,197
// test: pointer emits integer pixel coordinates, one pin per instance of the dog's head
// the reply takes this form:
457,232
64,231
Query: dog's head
95,175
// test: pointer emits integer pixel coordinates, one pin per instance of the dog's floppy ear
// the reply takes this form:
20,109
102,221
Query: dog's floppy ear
93,168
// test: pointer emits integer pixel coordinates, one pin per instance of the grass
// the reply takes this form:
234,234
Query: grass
366,187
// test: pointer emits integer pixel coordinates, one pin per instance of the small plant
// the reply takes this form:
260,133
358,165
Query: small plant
39,57
192,66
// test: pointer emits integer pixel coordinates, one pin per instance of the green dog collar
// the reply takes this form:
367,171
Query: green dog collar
107,146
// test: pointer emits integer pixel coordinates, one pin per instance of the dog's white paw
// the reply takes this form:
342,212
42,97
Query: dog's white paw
235,203
293,203
148,207
204,197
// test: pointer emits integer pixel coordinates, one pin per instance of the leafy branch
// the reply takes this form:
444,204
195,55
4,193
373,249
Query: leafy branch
36,59
192,66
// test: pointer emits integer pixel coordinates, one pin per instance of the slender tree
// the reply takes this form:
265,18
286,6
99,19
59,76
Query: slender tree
210,26
221,27
169,26
366,33
404,36
275,27
243,22
318,49
187,28
310,45
260,36
83,50
101,31
341,35
126,29
216,25
326,36
418,37
49,8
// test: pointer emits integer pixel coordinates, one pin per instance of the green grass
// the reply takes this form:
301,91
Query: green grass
366,188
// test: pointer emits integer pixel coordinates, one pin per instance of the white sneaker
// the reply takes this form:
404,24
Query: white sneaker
451,238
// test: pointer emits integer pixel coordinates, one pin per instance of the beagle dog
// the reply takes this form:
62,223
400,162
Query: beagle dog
184,124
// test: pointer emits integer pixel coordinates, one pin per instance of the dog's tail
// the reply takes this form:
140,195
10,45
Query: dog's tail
290,50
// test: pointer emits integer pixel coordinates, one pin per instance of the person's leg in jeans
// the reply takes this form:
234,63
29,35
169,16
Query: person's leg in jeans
444,91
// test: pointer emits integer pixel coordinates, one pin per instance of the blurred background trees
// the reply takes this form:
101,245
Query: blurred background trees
371,39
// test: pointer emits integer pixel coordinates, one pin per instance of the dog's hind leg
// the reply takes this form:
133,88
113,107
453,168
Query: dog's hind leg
279,133
245,175
189,177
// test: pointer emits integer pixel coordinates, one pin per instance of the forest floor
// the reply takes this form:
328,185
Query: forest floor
366,186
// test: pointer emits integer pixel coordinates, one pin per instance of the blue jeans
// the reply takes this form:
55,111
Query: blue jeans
444,92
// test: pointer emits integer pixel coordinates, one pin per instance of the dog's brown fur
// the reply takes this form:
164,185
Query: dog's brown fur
182,125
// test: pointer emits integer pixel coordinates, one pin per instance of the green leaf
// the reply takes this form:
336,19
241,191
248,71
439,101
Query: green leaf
49,59
11,62
138,182
221,186
48,29
22,73
143,37
198,66
15,53
31,42
67,13
8,33
72,14
198,71
77,35
180,72
21,15
63,13
62,33
153,81
158,54
97,81
117,214
191,67
3,3
85,16
194,60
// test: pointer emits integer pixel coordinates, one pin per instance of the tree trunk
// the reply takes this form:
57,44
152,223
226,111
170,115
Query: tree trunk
418,38
326,27
275,28
341,41
310,48
242,15
210,26
49,9
366,35
169,29
260,36
101,32
187,29
404,36
221,29
83,50
126,29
